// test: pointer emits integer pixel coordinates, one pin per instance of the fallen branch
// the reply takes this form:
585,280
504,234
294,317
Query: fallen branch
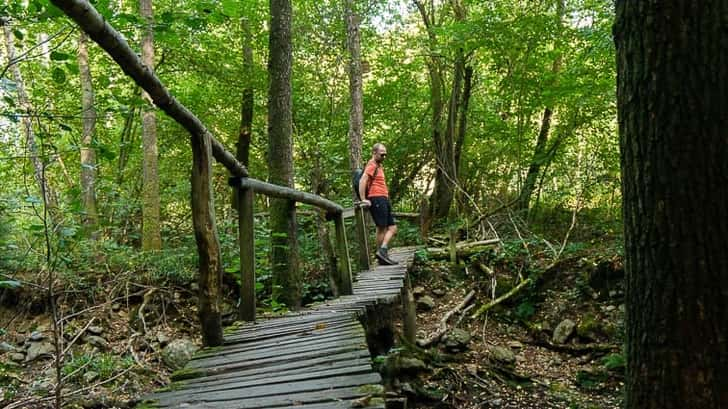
578,349
442,328
500,299
463,249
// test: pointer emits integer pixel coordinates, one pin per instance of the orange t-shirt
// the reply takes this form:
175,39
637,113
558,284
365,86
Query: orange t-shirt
378,186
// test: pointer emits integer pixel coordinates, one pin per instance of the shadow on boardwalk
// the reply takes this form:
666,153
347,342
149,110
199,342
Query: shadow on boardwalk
315,358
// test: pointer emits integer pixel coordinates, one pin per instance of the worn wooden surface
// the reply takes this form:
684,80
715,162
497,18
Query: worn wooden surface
315,358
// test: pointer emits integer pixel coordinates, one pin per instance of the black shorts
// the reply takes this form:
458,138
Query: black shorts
381,211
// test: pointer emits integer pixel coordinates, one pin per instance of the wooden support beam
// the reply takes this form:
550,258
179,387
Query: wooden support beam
246,238
361,238
342,257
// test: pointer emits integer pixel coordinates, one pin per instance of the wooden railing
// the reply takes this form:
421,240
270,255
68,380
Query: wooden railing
246,189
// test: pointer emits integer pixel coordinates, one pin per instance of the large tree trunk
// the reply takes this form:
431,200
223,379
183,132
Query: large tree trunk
151,235
88,153
356,124
284,243
25,105
672,83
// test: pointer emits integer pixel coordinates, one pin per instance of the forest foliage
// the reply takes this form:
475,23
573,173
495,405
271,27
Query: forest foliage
511,47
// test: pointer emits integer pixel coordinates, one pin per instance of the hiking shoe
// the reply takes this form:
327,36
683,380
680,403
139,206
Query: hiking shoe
383,258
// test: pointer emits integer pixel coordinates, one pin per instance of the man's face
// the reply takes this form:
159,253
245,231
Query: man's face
380,155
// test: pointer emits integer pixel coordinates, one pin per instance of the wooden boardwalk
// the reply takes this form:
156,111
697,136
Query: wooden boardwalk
314,358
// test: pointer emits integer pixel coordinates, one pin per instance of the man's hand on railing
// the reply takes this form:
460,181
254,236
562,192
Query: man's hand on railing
364,203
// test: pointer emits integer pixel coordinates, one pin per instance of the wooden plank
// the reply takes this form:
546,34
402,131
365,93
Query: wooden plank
270,380
290,328
281,332
280,343
278,401
275,392
290,352
289,369
246,202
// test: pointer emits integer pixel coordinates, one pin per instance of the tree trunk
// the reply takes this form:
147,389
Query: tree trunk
125,144
151,236
672,83
88,153
27,108
248,101
284,243
356,124
540,156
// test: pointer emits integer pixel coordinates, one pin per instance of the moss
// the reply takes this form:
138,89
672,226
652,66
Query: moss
147,404
371,389
186,373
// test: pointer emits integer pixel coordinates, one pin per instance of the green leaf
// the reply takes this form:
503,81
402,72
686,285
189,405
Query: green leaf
59,76
231,8
65,127
18,34
59,56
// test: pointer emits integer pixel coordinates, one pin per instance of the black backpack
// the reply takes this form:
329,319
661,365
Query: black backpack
356,178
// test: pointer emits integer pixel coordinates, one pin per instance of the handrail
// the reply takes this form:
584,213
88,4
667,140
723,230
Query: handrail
284,192
246,188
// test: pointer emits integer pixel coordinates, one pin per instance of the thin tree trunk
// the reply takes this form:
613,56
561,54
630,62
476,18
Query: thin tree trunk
284,243
88,153
27,121
248,101
672,83
540,156
125,144
151,235
356,124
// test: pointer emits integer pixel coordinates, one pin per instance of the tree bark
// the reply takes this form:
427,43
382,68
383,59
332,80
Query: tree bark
151,234
27,108
88,153
284,243
672,83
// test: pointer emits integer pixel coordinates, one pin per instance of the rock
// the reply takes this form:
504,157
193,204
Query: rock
90,376
163,339
36,336
408,389
41,387
439,292
411,365
97,341
425,303
563,331
19,339
418,291
515,345
5,347
39,350
496,402
95,330
17,357
178,352
502,355
610,308
115,307
456,340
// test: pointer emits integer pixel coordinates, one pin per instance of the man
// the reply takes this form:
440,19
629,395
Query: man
373,188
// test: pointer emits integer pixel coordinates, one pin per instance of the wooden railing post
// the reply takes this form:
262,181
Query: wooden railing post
342,256
246,239
361,238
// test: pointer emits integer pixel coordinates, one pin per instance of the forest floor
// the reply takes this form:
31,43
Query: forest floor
511,361
114,356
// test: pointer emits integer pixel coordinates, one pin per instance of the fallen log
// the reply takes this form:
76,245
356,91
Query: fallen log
500,299
577,349
442,328
463,249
